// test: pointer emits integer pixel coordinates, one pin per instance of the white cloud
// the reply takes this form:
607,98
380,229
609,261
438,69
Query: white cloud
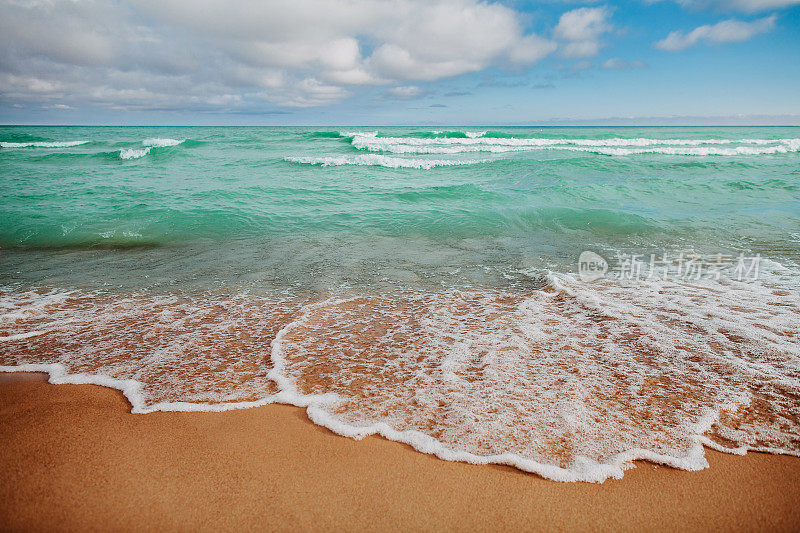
751,6
727,31
299,53
582,65
530,49
745,6
408,91
580,31
620,64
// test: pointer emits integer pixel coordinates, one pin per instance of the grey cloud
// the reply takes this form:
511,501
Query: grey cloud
140,53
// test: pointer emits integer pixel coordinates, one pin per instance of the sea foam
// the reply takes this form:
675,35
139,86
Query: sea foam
149,144
133,153
573,381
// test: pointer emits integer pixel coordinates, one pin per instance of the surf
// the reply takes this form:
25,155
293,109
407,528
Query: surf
572,381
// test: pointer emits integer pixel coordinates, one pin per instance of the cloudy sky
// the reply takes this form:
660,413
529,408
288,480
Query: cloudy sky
399,61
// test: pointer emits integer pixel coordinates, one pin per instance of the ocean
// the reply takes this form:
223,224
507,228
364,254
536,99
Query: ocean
562,300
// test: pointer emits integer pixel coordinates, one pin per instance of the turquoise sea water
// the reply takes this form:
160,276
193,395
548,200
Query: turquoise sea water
421,283
234,205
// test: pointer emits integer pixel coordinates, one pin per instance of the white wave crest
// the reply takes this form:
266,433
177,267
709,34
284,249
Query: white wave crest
614,146
696,151
42,144
133,153
160,143
358,133
380,160
136,153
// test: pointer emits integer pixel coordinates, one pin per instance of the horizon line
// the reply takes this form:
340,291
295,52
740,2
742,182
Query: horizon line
588,125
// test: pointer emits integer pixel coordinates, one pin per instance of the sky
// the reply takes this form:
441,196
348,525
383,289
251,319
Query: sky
346,62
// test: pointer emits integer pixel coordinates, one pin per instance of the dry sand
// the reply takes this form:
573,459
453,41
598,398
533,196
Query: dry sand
72,457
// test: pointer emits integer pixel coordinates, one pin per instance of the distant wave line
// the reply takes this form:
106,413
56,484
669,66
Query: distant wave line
380,160
42,144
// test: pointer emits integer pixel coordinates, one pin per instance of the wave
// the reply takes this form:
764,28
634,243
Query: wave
699,151
133,153
108,240
42,144
124,153
326,134
149,144
159,143
380,160
446,192
615,146
463,211
572,381
435,134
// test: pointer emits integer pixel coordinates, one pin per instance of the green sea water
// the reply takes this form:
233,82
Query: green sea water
321,208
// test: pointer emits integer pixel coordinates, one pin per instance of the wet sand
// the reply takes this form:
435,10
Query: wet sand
72,457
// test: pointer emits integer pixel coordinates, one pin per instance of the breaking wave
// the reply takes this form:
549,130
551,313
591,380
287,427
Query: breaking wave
158,143
149,144
477,142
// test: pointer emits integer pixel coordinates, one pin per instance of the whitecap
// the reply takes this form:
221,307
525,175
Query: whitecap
160,143
613,146
155,142
133,153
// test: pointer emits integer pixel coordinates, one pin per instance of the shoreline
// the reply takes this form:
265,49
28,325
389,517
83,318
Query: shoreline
74,457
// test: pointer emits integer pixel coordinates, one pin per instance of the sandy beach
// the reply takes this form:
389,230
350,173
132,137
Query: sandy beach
74,458
413,265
